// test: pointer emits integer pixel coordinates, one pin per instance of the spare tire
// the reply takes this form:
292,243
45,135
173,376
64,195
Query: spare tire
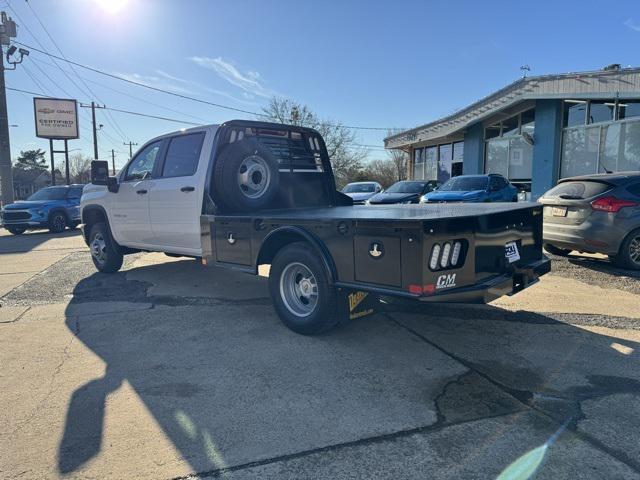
246,176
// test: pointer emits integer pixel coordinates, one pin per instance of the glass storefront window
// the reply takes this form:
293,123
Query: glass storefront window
520,159
580,151
431,163
444,162
574,112
528,121
498,157
510,127
620,147
601,111
628,109
418,164
492,131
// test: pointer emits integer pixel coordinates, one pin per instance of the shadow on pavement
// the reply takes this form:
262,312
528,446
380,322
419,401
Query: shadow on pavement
31,239
229,385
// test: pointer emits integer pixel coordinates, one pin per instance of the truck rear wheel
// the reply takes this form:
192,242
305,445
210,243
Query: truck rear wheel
104,252
301,292
246,176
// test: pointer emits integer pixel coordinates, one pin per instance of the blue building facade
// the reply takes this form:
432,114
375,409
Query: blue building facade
535,131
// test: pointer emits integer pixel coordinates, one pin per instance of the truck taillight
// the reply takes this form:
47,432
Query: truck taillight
449,255
611,204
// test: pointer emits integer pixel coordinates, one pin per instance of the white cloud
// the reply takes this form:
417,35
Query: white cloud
161,81
249,82
632,25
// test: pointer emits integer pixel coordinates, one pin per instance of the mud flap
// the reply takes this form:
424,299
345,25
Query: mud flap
354,304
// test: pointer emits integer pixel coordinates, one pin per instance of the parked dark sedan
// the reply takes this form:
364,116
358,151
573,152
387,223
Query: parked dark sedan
406,191
474,188
596,214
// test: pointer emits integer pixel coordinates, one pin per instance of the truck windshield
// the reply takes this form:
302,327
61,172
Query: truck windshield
50,193
359,188
464,184
407,187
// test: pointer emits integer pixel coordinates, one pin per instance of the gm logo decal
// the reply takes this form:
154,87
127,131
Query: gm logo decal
446,281
376,249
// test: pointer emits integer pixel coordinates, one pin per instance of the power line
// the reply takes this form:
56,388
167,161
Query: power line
180,95
91,93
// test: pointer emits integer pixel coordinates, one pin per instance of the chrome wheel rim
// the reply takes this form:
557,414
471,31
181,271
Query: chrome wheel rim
99,248
634,250
299,289
253,176
58,223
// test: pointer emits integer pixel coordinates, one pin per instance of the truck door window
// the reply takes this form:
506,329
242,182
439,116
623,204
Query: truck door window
142,164
182,155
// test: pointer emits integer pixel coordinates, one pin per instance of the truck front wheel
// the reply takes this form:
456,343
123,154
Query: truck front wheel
302,295
104,252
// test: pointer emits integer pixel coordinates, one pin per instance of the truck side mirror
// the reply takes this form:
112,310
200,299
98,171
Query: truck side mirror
100,175
100,172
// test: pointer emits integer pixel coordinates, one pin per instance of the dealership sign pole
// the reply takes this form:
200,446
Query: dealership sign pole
57,119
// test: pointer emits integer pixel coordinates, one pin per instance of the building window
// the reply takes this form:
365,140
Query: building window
601,111
444,162
418,164
458,158
628,109
431,163
574,112
511,153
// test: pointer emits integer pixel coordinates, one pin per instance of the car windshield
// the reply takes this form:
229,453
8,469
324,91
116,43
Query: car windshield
359,188
466,184
406,187
50,193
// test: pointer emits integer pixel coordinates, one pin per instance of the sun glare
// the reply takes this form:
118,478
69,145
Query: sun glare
112,7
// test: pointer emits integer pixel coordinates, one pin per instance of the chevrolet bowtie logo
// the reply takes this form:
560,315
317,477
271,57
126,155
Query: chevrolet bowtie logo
376,250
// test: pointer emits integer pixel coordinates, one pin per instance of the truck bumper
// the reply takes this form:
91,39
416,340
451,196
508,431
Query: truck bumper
494,287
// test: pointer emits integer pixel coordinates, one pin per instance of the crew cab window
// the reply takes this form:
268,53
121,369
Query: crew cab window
75,193
142,164
182,155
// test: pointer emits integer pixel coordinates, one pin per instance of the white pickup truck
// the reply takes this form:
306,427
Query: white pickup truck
247,193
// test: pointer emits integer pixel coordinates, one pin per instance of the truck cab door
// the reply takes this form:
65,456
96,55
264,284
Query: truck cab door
176,196
130,205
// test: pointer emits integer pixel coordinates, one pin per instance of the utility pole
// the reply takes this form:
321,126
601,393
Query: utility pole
95,131
7,31
131,145
113,161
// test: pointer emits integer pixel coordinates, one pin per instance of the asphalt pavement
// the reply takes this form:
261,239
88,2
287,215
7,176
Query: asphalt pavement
170,369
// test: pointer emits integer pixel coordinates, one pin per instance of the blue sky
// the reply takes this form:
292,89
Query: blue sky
367,63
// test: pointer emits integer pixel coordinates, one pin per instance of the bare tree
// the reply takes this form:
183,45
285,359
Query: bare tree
383,171
346,158
399,158
79,168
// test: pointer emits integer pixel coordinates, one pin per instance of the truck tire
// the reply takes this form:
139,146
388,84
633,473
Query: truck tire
246,176
629,253
302,295
57,222
16,230
104,253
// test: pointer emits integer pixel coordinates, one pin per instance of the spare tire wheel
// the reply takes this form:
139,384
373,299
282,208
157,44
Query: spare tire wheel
246,175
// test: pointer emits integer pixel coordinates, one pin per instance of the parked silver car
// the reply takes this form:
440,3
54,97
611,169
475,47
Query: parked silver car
596,214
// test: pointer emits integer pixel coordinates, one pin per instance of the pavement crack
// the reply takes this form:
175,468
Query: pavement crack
434,427
18,318
527,398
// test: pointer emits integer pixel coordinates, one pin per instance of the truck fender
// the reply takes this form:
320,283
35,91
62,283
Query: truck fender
93,214
282,236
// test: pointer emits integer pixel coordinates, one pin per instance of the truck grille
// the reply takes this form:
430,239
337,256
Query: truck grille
13,216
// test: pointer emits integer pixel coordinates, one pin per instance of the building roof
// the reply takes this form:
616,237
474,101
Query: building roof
622,83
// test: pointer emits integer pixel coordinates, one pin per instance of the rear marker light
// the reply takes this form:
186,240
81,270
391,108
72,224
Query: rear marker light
455,256
435,255
444,261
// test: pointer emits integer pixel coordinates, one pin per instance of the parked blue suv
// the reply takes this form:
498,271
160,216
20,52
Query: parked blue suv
54,208
473,188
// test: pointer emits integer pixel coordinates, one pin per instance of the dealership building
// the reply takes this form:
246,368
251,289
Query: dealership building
535,131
